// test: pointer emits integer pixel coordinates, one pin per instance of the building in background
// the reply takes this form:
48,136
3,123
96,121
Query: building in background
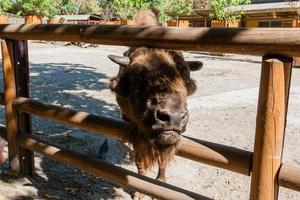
260,13
272,13
199,17
78,19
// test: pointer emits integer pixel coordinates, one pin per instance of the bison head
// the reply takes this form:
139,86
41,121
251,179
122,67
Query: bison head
152,88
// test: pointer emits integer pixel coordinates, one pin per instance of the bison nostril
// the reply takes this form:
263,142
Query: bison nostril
162,116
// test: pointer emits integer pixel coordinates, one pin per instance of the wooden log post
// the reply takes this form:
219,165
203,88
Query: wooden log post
16,83
270,127
23,90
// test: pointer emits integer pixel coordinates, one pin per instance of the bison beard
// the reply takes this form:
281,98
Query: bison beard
151,90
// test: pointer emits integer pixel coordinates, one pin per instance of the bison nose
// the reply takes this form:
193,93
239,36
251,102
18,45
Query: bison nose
176,120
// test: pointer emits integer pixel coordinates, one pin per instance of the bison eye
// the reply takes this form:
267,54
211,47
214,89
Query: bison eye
122,87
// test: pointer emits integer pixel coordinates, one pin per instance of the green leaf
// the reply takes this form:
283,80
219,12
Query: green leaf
169,9
5,5
223,9
42,8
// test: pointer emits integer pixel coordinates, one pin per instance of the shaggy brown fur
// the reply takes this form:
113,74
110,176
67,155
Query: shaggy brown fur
154,79
147,17
152,71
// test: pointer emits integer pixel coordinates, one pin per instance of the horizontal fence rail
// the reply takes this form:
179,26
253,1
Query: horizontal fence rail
105,170
277,45
254,41
289,176
229,158
110,172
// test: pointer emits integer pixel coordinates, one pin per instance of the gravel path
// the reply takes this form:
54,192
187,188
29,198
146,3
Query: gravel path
223,110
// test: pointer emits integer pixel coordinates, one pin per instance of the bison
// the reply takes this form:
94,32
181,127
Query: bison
151,90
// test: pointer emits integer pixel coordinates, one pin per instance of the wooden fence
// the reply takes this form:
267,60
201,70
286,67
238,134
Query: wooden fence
264,165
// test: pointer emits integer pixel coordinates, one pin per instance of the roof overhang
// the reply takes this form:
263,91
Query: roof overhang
78,17
267,7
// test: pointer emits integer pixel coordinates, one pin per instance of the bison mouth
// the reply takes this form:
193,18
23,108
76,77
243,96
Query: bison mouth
167,137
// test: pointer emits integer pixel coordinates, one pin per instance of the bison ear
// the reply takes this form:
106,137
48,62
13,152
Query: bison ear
195,65
121,60
120,85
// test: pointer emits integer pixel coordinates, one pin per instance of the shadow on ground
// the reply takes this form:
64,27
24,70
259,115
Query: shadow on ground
225,58
77,87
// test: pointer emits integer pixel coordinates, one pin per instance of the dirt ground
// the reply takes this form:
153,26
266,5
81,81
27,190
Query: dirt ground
223,110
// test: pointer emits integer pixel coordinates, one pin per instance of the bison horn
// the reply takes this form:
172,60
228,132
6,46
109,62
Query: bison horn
195,65
121,60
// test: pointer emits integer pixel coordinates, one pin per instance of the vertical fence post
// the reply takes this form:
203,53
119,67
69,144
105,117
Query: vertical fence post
16,83
270,127
21,64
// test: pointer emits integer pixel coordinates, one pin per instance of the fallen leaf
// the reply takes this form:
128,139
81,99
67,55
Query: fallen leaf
49,196
13,185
